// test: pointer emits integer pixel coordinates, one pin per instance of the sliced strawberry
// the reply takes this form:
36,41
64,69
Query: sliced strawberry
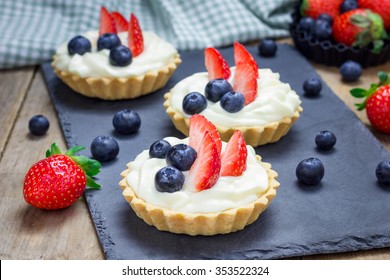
216,65
204,172
107,24
233,159
245,81
136,40
120,22
241,54
198,126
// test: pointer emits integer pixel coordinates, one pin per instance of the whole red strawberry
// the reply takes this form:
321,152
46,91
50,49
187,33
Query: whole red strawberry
376,103
359,28
60,179
382,7
313,8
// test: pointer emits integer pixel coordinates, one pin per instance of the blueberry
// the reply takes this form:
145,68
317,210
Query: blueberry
104,148
108,41
80,45
181,156
169,179
232,101
215,89
159,149
267,48
350,71
383,172
306,24
312,87
38,125
120,56
325,17
310,171
348,5
325,140
322,30
194,103
126,121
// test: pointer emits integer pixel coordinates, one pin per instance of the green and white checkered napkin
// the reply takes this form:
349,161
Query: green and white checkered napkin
31,30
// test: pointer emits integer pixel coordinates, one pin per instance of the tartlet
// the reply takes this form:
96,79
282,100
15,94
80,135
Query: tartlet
265,119
220,194
223,222
92,75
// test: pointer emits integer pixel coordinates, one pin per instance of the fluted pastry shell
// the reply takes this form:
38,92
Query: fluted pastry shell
201,223
253,135
112,88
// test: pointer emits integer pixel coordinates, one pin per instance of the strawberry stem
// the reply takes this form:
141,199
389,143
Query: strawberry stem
74,150
384,79
91,167
54,150
372,31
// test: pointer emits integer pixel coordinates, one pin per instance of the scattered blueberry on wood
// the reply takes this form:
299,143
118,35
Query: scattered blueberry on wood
350,71
38,125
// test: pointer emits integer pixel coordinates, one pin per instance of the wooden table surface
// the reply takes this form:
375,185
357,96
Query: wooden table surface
29,233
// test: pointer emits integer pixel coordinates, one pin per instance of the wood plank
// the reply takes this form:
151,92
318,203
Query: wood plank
13,88
29,233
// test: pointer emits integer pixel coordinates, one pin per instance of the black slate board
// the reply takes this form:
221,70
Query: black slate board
348,211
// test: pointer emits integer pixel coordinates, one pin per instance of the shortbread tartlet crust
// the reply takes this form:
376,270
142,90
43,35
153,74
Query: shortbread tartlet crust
112,88
223,222
253,135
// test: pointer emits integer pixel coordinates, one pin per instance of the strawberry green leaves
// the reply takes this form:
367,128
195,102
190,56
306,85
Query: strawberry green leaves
384,79
91,167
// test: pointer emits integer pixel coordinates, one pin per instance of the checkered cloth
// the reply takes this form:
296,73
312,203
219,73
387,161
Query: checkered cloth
30,30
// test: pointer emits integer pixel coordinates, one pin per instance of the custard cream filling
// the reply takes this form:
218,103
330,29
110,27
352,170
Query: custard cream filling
275,100
157,53
229,192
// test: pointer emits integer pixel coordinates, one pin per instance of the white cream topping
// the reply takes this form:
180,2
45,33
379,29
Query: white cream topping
274,101
229,192
156,54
